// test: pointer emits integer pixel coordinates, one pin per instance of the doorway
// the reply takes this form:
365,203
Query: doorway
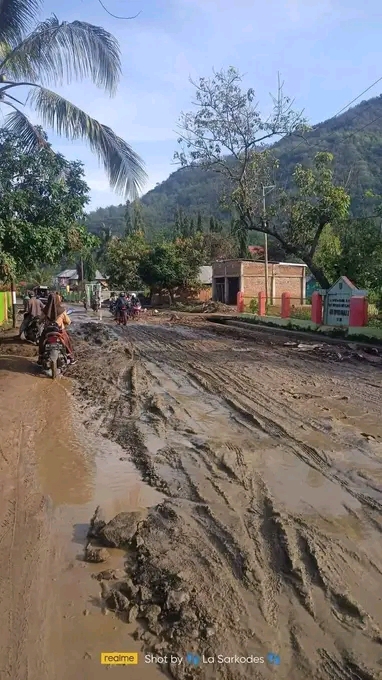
219,289
233,289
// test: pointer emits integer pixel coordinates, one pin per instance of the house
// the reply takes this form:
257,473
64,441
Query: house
69,277
203,294
257,252
229,277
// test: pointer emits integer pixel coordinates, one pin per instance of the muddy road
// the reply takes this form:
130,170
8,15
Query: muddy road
245,481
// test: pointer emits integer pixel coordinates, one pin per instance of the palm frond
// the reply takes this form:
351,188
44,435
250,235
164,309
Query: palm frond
16,17
31,137
123,166
58,51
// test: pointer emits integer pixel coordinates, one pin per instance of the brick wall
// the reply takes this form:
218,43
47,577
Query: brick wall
282,279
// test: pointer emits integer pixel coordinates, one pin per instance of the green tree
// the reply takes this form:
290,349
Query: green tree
191,228
354,249
227,134
42,199
48,54
299,218
239,233
199,224
170,265
138,221
128,221
104,238
122,261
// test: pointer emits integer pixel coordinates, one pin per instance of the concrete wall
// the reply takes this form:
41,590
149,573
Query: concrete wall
5,302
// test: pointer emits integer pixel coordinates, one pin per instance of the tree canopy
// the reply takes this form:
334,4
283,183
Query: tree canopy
42,199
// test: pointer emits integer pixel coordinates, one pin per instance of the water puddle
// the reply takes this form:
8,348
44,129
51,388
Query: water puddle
79,471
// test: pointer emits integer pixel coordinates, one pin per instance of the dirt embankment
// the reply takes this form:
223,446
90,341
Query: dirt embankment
269,540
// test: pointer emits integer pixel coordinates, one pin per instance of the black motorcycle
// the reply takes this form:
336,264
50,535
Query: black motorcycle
55,356
33,331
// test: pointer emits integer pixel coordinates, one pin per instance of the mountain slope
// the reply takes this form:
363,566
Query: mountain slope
354,137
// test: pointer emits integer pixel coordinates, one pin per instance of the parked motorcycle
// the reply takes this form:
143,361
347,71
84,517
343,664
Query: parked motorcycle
112,307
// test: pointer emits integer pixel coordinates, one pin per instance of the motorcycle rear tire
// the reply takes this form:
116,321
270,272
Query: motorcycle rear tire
53,368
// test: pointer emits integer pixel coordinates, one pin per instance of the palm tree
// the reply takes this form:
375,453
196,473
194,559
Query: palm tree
50,54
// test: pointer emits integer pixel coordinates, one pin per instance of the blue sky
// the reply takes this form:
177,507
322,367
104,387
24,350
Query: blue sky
327,52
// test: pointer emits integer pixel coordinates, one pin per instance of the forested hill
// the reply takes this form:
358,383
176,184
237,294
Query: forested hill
354,137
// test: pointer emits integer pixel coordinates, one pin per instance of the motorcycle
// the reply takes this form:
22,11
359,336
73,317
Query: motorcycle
55,356
121,316
135,310
33,331
112,306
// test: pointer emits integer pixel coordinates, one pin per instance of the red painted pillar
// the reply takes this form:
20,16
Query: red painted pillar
262,304
240,302
317,308
358,315
285,306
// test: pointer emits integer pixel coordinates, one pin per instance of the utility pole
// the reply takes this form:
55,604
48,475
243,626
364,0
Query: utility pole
266,190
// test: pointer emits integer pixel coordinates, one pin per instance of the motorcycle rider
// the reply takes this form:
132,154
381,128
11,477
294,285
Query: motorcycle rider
121,309
112,302
55,313
32,307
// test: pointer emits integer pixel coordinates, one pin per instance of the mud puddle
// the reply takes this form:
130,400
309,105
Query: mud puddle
79,471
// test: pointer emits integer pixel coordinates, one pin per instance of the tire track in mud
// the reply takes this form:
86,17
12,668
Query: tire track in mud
223,382
198,433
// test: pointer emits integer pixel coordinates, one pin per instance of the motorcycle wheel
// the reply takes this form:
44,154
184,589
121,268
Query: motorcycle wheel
53,368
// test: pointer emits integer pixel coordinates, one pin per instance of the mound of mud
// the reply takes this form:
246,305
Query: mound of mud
190,587
95,333
164,590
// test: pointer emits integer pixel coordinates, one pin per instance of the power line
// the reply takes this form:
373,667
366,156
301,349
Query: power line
341,111
117,17
355,99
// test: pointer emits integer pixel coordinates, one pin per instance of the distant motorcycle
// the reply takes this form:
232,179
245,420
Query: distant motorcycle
135,310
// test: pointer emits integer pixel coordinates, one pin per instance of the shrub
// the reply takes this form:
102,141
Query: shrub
254,306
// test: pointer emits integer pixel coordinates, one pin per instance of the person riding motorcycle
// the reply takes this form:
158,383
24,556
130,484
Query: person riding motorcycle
55,313
135,305
32,308
121,308
112,303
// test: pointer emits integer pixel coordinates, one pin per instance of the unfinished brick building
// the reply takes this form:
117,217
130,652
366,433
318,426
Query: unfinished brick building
229,277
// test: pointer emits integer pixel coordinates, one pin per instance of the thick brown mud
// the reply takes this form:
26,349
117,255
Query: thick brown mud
269,540
245,481
52,472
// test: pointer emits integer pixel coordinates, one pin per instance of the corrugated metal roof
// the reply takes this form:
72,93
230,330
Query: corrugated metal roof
68,274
